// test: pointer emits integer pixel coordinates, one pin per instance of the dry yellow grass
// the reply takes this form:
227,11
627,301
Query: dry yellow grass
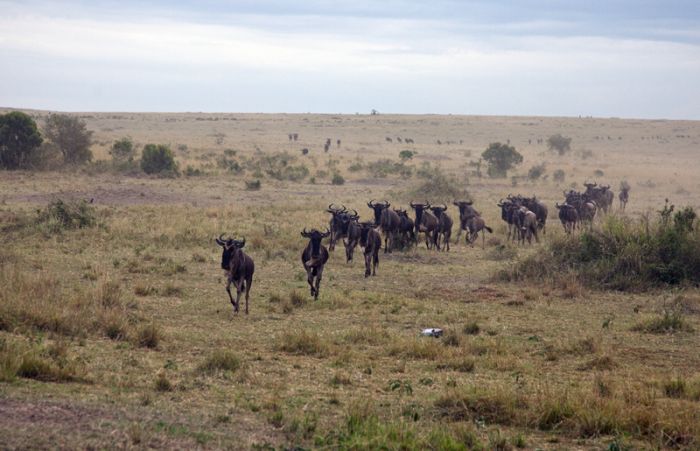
548,367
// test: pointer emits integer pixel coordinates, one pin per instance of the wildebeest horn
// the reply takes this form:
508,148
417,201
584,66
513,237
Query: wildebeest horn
328,232
220,241
304,233
387,204
370,204
355,213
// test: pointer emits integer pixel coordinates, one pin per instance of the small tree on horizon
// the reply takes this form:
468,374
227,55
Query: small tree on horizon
71,136
501,158
123,150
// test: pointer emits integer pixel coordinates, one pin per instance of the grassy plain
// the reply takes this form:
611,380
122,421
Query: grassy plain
121,334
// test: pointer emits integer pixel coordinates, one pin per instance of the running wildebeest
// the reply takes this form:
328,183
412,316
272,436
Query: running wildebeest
444,227
406,228
239,269
387,220
371,242
425,222
353,238
314,257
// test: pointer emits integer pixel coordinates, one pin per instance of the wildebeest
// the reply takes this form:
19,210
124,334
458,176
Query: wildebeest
314,257
601,195
239,269
539,209
425,222
471,221
371,242
509,208
586,207
335,224
624,195
528,225
444,227
352,238
568,217
406,228
387,220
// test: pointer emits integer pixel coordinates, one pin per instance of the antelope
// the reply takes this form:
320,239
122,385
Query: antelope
314,257
239,269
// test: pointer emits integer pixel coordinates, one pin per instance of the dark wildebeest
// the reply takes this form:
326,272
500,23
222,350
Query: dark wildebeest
335,224
584,205
371,242
353,238
540,211
466,212
509,208
444,227
568,217
314,257
601,195
239,269
471,221
387,220
527,225
406,227
425,222
624,195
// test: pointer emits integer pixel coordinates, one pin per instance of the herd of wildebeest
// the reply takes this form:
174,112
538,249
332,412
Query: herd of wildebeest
526,218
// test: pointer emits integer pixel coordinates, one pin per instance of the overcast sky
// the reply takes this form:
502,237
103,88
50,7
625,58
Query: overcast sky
626,58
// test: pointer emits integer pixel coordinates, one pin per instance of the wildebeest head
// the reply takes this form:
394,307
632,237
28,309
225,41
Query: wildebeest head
466,210
365,227
378,207
315,237
419,208
230,247
438,210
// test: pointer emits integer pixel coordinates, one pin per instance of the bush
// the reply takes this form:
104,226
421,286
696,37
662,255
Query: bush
123,150
536,171
60,215
560,143
621,255
437,185
501,158
149,336
20,141
384,167
337,179
158,159
71,136
406,155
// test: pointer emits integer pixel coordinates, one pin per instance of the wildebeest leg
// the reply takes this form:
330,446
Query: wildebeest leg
310,279
534,232
248,284
375,262
483,239
368,261
228,290
319,272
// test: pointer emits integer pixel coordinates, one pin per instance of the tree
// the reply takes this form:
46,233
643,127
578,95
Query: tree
560,143
501,158
158,159
72,137
123,150
19,141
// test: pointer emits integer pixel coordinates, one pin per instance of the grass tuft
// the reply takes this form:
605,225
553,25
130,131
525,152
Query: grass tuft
220,361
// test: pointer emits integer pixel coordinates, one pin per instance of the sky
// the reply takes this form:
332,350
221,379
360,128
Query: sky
614,58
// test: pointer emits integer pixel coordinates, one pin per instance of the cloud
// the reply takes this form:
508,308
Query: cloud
275,59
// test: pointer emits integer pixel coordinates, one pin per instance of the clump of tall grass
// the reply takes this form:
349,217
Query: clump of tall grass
49,363
38,302
62,215
220,361
621,254
303,343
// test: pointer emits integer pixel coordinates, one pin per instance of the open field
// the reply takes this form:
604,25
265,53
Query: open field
124,335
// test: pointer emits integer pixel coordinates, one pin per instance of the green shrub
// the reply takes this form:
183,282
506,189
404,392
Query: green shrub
60,215
158,159
71,137
621,255
337,179
559,176
536,171
561,144
123,150
20,141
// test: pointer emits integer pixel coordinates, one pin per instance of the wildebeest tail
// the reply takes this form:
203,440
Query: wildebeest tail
489,229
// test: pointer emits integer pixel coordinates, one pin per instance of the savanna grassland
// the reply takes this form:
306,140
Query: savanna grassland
119,333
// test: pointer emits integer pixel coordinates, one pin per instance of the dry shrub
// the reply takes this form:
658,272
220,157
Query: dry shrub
668,323
162,383
149,336
463,365
498,406
50,363
371,335
600,363
303,343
